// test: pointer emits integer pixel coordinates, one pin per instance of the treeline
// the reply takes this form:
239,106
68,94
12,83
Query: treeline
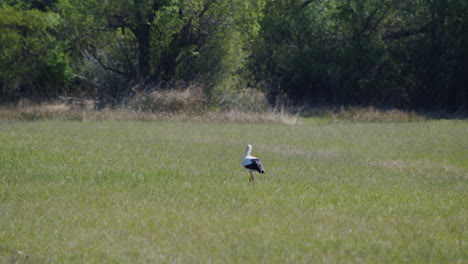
386,53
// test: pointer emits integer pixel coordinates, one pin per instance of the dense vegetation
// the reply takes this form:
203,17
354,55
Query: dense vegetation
389,53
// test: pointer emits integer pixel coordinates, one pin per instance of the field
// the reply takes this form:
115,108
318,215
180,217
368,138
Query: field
175,192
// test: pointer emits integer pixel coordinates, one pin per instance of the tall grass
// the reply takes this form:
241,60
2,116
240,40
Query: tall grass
175,192
187,104
35,114
363,114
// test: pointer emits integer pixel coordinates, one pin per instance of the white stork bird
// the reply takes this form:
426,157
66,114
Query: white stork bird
252,163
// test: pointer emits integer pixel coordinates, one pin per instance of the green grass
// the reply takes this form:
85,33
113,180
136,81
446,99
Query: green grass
175,192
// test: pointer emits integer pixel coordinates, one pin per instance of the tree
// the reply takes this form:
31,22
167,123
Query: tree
189,40
33,62
389,53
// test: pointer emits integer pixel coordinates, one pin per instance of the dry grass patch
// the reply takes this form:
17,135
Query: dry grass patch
69,112
230,116
372,114
364,114
251,117
188,103
192,99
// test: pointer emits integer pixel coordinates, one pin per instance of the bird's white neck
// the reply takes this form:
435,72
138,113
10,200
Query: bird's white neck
249,149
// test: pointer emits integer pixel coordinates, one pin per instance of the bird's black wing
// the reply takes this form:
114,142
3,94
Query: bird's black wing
256,165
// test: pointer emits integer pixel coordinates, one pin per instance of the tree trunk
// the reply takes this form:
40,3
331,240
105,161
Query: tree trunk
142,34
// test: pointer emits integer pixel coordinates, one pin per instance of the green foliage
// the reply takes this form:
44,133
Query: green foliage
146,44
388,53
33,61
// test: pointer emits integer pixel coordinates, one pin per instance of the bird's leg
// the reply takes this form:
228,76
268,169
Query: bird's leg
251,177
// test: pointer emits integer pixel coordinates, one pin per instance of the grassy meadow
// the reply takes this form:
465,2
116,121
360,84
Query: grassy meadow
175,192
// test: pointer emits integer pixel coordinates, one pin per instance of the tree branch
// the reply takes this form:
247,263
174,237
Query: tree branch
367,24
108,68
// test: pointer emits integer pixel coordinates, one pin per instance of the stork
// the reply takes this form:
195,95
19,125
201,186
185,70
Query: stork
252,163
